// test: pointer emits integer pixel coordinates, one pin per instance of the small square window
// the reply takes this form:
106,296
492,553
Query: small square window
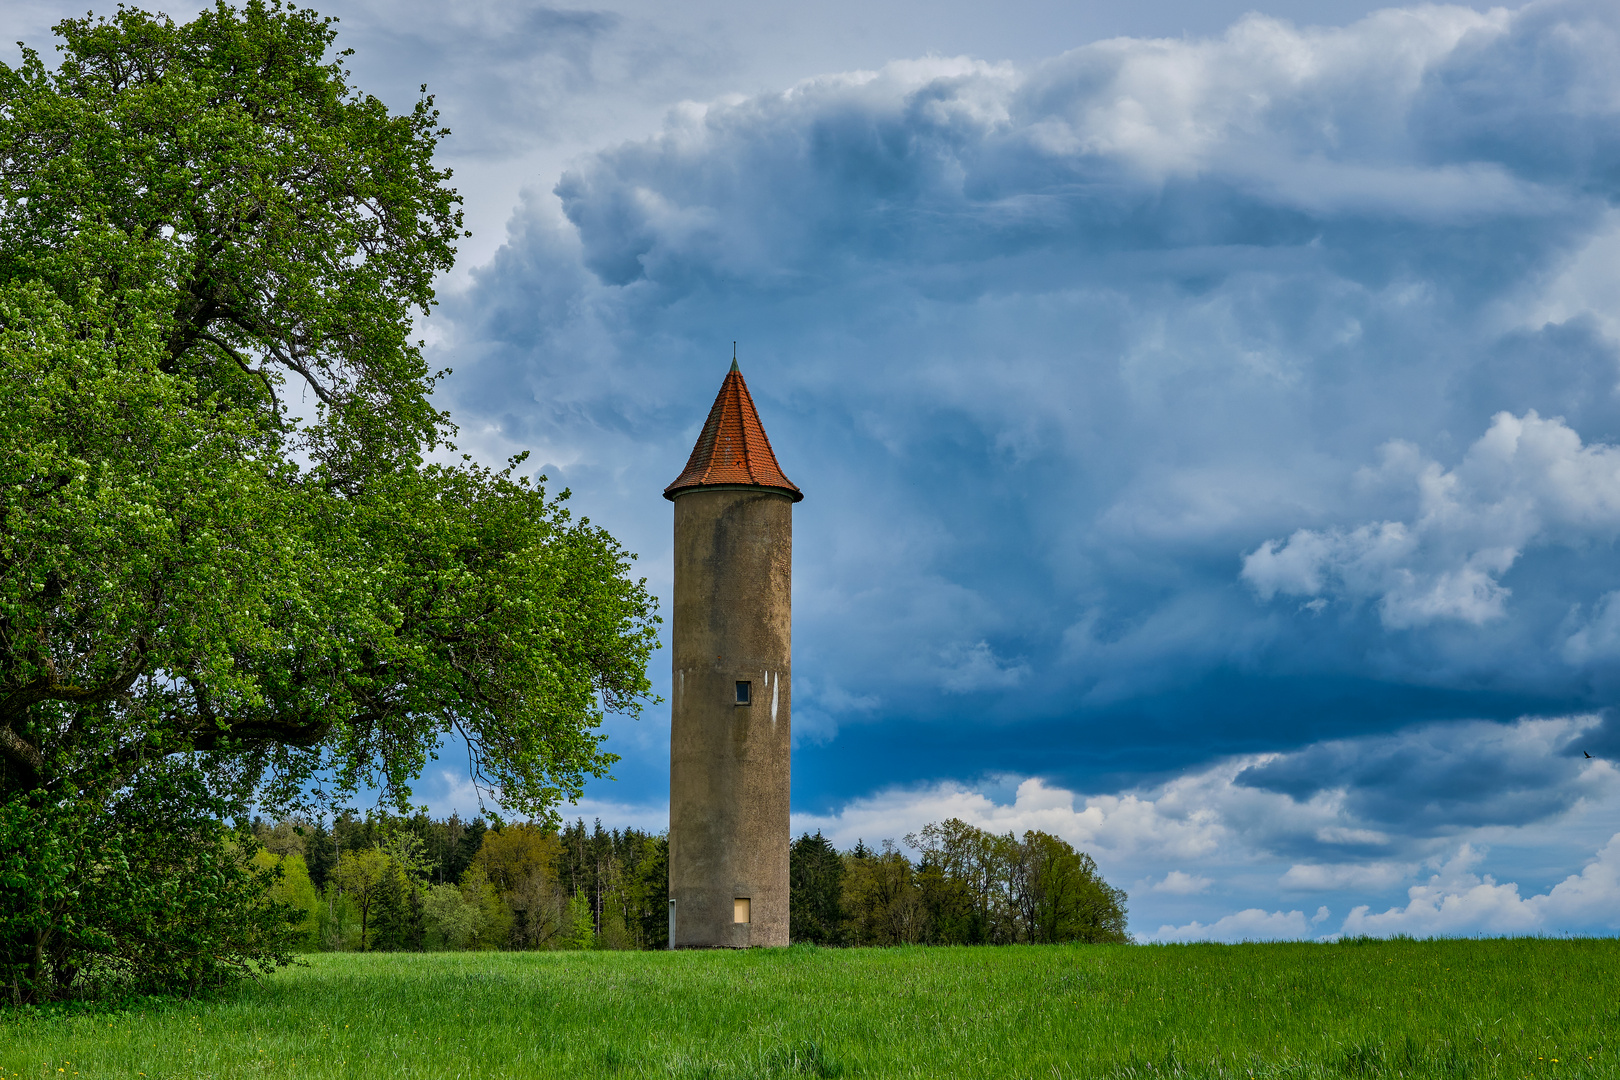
745,691
739,910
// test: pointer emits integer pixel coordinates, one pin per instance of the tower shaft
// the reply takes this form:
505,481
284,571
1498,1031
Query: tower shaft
730,732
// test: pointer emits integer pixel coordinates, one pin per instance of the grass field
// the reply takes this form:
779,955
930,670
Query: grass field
1520,1008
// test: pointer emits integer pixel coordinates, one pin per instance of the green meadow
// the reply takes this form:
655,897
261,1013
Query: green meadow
1489,1008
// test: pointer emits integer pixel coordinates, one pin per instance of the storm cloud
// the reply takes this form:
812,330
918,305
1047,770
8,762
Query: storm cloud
1226,418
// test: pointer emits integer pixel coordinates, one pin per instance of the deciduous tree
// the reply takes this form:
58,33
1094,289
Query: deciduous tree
363,877
1064,898
880,902
452,921
198,222
203,227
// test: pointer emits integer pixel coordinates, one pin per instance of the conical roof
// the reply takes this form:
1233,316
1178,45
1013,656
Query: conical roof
733,448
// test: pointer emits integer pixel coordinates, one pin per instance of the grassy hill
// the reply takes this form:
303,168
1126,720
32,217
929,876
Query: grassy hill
1498,1008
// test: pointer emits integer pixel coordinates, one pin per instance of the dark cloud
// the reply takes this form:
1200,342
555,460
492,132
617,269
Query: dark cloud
1534,99
1438,780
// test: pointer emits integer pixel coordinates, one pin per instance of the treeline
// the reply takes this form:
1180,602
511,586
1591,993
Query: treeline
969,887
387,883
392,883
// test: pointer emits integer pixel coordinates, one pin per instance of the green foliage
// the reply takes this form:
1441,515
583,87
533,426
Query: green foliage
1441,1010
196,221
580,927
815,891
624,877
412,883
400,923
520,864
645,892
165,588
140,892
880,903
452,922
294,889
339,922
494,915
361,878
975,887
971,887
530,887
1061,896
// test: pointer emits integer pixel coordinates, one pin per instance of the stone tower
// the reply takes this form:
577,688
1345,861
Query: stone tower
730,693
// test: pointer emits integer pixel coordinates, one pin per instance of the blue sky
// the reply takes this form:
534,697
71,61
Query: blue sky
1208,419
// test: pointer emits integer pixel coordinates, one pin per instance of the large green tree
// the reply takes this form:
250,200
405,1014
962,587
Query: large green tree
205,232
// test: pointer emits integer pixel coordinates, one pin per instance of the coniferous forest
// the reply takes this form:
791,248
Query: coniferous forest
384,883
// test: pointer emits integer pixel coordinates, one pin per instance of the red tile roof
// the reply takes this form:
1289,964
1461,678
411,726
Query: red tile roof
733,448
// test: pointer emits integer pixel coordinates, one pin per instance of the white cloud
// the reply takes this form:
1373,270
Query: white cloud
652,818
1303,119
1180,883
1190,106
818,705
1386,790
1252,924
1591,897
454,792
1336,877
1526,481
1259,232
1192,816
1340,834
1456,901
813,726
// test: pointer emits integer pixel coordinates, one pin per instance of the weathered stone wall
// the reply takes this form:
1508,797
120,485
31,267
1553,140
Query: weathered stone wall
730,764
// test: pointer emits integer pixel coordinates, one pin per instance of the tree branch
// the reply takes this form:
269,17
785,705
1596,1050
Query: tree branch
241,362
49,688
19,752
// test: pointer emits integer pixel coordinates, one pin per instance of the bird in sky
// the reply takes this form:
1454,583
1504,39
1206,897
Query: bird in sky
1584,752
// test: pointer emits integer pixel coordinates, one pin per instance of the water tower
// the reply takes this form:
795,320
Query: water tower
729,755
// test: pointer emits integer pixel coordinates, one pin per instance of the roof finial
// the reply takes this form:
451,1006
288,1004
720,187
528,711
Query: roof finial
734,366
